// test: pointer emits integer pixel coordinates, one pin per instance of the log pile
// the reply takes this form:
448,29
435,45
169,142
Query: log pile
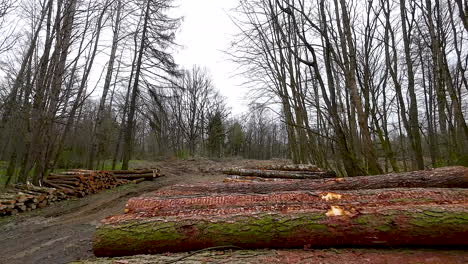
77,183
145,174
80,183
21,198
301,171
84,182
425,208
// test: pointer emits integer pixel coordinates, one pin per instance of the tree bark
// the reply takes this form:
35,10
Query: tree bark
281,174
213,204
449,177
409,225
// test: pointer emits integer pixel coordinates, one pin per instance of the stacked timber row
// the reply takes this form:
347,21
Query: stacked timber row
424,208
21,198
300,171
138,175
83,182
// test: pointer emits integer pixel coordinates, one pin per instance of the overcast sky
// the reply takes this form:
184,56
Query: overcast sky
206,31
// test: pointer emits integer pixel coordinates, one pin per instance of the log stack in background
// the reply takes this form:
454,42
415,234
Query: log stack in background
138,175
279,172
21,198
425,208
83,182
75,183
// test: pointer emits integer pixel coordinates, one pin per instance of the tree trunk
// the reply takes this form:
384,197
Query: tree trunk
213,204
413,106
409,225
448,177
128,138
97,145
281,174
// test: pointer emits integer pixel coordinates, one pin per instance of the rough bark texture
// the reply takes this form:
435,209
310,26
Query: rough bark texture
295,256
409,225
281,174
448,177
287,201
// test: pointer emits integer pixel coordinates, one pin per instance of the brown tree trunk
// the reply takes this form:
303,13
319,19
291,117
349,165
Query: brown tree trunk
281,174
213,204
97,145
448,177
351,84
129,133
409,225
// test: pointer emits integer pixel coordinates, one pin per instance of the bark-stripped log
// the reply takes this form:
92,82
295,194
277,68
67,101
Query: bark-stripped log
281,174
287,201
448,177
408,225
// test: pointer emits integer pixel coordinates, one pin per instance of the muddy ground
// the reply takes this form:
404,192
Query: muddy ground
63,232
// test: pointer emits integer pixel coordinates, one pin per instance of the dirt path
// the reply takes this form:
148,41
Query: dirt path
63,232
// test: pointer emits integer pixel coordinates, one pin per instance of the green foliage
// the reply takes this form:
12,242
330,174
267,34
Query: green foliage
236,139
215,135
182,154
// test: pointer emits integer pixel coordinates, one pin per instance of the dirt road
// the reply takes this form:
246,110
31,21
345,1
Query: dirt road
63,232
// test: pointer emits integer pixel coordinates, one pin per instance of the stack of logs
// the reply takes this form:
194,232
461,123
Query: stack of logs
78,183
21,198
83,182
422,208
137,175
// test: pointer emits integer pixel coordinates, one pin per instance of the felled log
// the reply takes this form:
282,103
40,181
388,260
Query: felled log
144,171
280,174
147,176
139,180
448,177
230,203
408,225
293,256
290,167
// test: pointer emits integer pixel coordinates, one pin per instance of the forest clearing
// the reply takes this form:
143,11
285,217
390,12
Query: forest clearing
233,131
64,231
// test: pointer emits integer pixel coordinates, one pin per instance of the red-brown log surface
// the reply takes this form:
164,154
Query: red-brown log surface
390,225
448,177
281,174
82,182
289,201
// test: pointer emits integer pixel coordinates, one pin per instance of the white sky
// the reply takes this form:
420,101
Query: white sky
205,33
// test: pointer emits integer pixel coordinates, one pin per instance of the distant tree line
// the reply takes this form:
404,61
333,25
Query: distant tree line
364,87
93,84
361,87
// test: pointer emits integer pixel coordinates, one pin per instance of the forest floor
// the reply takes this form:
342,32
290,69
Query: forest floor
63,232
